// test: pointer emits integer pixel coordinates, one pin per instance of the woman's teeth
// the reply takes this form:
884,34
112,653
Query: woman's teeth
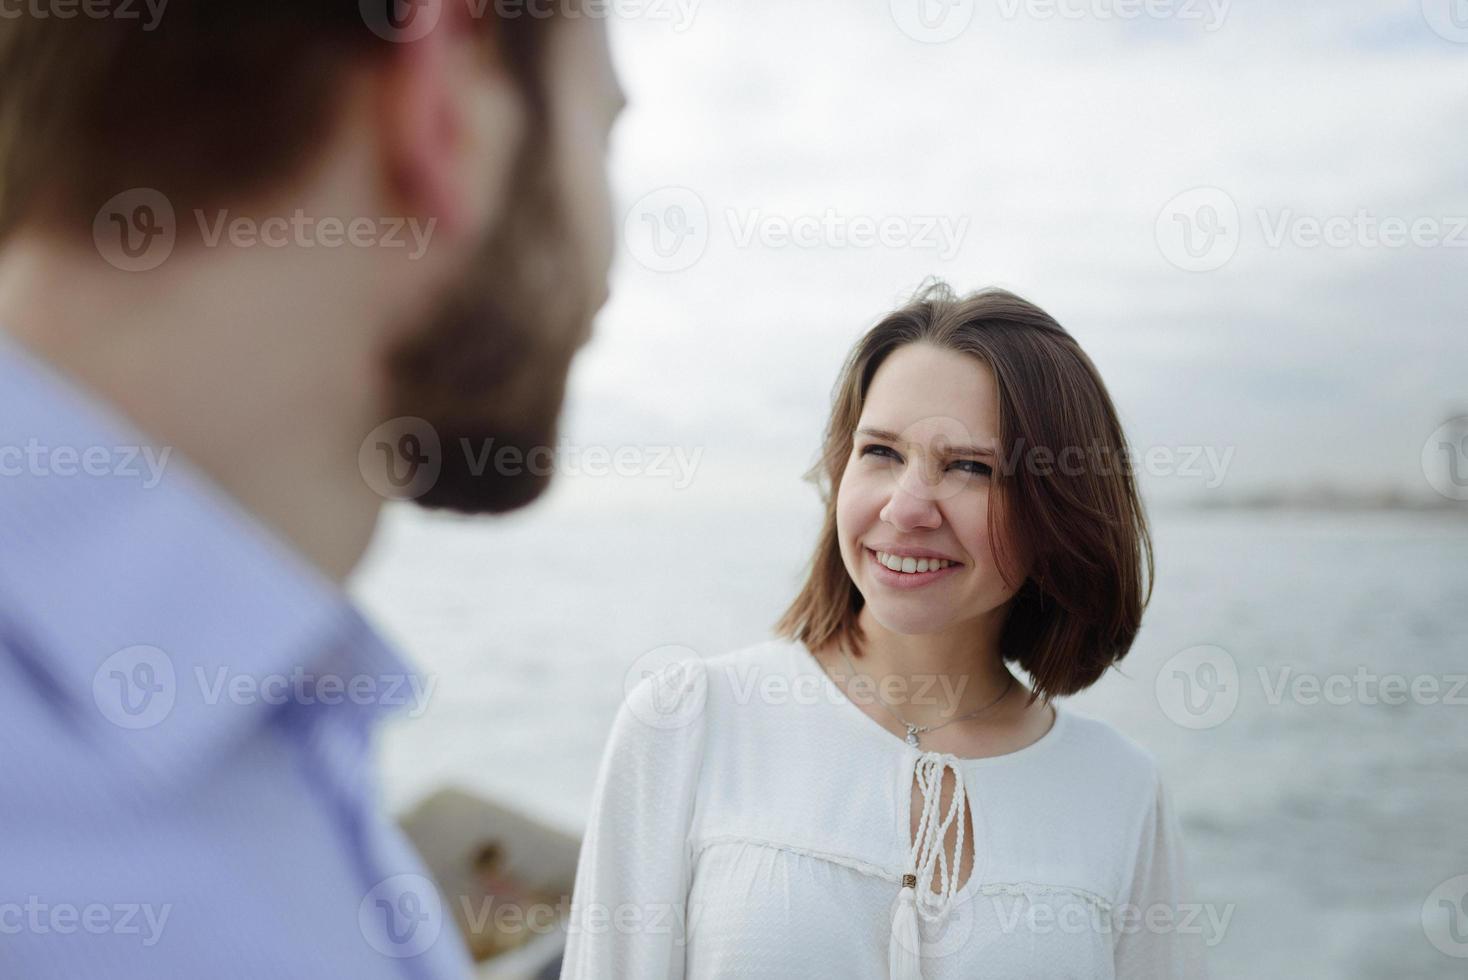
911,565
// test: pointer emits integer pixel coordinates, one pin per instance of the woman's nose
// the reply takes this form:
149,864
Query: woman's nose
913,503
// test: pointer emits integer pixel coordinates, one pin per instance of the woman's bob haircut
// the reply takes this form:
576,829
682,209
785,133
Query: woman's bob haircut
1063,481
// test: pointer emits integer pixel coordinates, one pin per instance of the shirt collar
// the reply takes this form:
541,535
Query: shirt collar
121,563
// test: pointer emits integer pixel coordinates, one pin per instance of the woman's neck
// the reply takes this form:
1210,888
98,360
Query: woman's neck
931,678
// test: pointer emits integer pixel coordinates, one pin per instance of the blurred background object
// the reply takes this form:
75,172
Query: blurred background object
504,876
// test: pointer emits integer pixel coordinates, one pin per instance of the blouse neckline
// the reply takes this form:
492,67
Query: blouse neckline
806,661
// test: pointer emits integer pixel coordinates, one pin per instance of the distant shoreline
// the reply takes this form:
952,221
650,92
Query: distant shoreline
1325,503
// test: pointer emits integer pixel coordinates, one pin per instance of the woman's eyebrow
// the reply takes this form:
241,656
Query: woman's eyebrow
888,436
969,451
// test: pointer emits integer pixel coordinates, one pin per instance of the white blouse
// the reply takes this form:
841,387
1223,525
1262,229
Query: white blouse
750,821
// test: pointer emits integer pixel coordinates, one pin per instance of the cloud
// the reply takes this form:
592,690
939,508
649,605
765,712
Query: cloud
1057,142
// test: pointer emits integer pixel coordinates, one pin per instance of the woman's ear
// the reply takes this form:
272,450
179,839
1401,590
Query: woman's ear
450,121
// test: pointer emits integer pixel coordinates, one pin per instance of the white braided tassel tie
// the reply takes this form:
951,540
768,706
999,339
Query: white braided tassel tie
904,951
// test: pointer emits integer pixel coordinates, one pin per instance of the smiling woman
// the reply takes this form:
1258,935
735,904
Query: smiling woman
961,378
927,820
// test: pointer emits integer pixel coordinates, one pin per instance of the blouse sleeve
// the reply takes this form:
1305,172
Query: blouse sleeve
629,910
1162,933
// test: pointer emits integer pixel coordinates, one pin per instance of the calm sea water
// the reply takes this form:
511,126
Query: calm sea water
1326,826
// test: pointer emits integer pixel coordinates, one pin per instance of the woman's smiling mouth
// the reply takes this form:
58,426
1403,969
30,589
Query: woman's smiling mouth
908,571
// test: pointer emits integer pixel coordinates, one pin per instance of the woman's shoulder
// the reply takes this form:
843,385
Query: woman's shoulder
770,672
773,654
673,691
769,652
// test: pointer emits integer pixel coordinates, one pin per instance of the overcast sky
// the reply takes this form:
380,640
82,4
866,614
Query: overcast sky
1048,147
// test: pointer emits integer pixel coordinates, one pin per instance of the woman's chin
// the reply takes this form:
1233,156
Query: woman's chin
910,621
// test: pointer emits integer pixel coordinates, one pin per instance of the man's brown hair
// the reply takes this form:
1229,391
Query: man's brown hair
218,100
1083,526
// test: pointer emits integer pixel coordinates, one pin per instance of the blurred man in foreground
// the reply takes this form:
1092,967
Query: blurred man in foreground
261,266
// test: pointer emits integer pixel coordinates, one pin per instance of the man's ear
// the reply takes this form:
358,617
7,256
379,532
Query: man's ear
450,120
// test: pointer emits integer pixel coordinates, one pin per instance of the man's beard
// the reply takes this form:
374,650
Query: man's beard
488,369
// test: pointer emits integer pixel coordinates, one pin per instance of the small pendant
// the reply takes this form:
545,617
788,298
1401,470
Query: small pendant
912,738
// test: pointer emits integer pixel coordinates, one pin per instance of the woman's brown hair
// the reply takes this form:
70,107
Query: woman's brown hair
1083,526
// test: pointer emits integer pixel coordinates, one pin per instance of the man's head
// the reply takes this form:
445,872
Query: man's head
483,123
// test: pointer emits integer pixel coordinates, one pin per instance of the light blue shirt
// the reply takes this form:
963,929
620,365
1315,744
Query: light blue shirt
186,708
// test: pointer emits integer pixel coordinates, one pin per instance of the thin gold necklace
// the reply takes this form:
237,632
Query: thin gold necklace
913,731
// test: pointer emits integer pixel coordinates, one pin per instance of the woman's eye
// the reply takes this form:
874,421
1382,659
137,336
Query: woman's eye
878,450
975,467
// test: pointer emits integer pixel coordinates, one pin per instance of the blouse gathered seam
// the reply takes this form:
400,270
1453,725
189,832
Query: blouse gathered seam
1030,889
855,864
1026,889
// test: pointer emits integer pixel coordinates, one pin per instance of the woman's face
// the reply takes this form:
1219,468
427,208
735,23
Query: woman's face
916,493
